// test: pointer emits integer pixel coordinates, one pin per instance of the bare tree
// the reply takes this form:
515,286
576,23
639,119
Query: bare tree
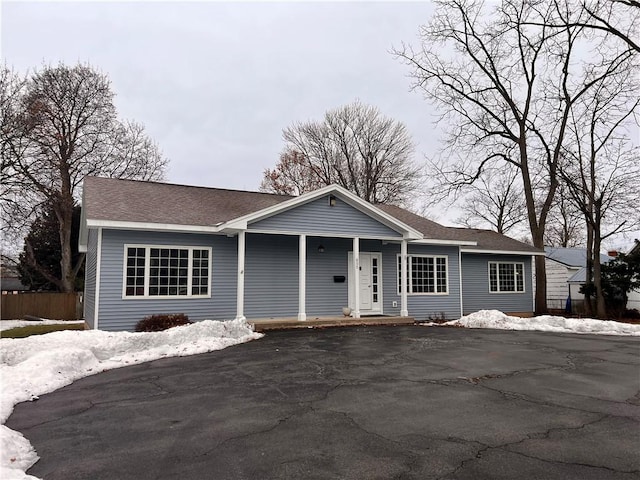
12,145
292,175
566,224
505,83
354,146
615,17
495,200
63,127
601,168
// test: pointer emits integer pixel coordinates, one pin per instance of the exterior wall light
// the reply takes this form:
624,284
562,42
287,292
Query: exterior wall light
320,248
332,201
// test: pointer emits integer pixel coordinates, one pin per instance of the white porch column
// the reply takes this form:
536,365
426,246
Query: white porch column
240,293
356,277
404,311
302,278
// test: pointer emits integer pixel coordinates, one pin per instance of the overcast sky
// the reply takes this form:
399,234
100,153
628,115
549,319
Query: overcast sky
215,83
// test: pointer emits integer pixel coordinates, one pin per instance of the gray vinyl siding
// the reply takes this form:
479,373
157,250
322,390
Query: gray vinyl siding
90,278
422,307
117,313
475,285
271,279
324,296
271,276
318,217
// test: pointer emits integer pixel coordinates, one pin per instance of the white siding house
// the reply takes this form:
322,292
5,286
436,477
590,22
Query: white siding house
566,268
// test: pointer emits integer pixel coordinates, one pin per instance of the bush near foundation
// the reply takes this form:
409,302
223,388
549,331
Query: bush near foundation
157,323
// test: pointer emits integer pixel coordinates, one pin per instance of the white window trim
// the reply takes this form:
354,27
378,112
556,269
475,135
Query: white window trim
410,278
501,292
147,268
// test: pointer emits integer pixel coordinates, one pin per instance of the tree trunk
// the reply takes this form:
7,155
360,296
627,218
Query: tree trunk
601,308
65,217
541,285
541,272
588,307
64,211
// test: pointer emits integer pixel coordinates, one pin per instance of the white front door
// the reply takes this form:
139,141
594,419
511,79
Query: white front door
366,289
370,282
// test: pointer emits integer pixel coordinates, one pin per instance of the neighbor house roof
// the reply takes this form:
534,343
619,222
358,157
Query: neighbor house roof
571,257
11,284
107,200
579,277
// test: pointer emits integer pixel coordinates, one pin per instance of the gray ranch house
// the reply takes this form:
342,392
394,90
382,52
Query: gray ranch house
222,254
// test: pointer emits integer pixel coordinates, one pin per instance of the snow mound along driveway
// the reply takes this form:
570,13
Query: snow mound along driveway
545,323
40,364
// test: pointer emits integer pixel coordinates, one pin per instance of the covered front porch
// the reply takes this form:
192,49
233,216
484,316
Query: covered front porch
313,277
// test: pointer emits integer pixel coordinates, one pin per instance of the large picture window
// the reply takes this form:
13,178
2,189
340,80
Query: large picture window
166,271
506,277
426,274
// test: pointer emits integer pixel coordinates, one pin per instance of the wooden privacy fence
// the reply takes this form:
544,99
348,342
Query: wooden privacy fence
59,306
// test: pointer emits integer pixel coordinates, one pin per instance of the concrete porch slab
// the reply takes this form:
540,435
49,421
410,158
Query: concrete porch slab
264,324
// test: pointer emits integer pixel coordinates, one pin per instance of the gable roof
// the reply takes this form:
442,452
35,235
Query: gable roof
353,200
116,203
571,257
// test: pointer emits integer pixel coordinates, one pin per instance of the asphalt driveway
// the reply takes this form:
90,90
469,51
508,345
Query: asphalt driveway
354,403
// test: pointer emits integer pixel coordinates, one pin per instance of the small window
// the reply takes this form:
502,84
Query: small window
134,279
506,277
425,274
159,271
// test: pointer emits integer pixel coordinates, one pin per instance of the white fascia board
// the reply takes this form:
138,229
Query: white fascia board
241,223
158,227
434,241
502,252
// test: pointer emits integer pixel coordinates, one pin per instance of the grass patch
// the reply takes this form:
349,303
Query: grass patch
21,332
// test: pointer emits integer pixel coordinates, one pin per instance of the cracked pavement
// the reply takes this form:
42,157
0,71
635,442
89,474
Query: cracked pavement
405,402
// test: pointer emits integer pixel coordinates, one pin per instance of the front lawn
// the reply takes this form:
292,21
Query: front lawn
21,332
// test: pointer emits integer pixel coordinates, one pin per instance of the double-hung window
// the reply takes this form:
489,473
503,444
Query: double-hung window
426,274
506,277
167,271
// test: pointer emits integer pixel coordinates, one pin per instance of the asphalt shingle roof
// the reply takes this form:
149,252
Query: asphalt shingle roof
486,239
154,202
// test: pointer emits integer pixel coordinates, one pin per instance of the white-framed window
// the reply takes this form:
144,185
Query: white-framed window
166,271
506,277
426,274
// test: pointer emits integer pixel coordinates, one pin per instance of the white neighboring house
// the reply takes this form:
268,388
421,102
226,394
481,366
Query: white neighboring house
566,269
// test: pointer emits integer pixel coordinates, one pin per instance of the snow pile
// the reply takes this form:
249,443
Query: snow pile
9,324
40,364
544,323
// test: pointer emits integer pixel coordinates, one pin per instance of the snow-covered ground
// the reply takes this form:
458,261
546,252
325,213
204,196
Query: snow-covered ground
9,324
40,364
544,323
